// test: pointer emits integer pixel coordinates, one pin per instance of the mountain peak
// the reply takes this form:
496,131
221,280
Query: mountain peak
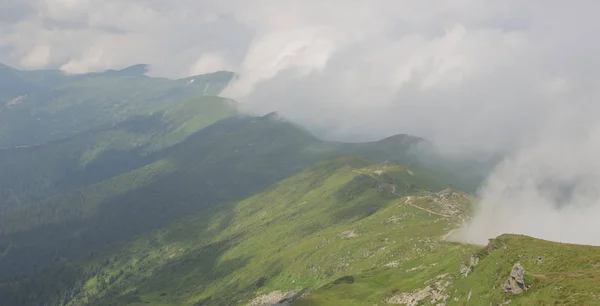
135,70
4,66
402,138
273,116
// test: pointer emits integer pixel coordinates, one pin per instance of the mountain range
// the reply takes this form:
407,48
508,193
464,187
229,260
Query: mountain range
117,188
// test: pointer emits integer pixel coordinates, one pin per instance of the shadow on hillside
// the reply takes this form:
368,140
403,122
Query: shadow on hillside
172,281
223,163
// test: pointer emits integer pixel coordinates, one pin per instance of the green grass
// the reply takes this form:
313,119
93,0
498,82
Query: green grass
301,233
95,101
30,174
223,216
566,275
124,194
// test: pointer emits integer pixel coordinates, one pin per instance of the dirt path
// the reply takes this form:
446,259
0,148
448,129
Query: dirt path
408,199
409,202
445,237
369,174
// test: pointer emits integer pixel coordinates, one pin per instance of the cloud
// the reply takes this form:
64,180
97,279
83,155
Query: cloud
14,11
476,77
91,35
549,190
39,57
210,62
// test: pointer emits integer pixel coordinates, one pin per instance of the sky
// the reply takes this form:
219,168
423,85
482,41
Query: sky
475,77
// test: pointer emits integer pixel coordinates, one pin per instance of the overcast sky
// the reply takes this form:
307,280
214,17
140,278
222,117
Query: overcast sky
453,70
471,75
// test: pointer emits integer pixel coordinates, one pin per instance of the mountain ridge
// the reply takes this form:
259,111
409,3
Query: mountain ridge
151,191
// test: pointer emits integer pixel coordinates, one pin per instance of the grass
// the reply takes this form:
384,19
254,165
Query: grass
95,101
31,174
558,274
298,234
216,219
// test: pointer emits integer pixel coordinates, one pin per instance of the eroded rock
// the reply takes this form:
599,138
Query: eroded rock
515,283
349,234
275,298
435,291
466,270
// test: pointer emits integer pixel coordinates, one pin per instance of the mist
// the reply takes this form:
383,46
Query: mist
520,82
517,78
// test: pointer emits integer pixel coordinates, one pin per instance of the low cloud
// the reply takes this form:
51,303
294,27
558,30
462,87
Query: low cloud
549,190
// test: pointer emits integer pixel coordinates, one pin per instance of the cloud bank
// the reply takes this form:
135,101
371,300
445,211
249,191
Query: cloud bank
475,77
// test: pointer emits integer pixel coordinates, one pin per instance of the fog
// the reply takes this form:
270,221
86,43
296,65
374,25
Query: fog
475,77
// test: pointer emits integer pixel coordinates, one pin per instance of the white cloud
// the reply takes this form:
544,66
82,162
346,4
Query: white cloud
210,62
550,189
39,57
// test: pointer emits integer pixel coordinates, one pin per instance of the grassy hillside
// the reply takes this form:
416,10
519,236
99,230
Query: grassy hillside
30,174
556,274
14,82
223,162
337,218
46,111
231,215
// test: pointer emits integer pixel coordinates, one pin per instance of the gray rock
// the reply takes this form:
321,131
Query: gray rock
464,270
474,261
515,283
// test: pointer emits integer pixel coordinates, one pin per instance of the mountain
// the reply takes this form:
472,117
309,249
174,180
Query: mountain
554,274
57,106
32,173
14,82
223,162
121,189
301,213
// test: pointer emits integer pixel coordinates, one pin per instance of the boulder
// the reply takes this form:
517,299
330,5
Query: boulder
515,283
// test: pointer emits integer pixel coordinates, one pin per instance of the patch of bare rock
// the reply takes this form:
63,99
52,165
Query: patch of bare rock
275,298
436,291
515,283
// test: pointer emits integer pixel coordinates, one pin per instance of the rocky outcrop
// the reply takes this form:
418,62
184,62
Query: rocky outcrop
515,283
349,234
466,270
448,202
435,291
275,298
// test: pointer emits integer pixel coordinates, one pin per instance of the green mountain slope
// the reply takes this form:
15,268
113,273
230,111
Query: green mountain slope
343,232
14,82
223,162
71,105
30,174
226,161
339,217
555,274
131,190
